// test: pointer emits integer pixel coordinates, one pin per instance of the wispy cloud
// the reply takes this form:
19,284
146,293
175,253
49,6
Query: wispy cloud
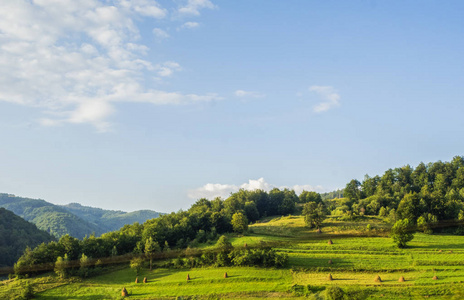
160,33
249,94
330,96
213,190
76,60
193,7
166,69
189,25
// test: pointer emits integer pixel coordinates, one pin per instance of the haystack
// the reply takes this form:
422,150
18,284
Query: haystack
245,245
330,242
378,279
225,275
136,280
330,261
124,292
440,251
188,277
401,279
145,280
435,277
330,278
319,230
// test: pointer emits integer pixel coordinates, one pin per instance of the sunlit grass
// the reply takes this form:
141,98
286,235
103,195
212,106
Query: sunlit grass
355,263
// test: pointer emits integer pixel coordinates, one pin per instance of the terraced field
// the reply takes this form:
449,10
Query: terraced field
355,263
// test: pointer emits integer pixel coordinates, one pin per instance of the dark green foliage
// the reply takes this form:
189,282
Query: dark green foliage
353,190
15,235
432,191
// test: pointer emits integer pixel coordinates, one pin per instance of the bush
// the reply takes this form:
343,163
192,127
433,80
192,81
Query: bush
27,291
334,293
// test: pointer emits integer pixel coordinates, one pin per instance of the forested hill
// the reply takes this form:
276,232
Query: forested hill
73,219
109,220
15,235
425,194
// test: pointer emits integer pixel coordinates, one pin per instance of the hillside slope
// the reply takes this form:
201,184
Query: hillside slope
109,220
15,235
73,219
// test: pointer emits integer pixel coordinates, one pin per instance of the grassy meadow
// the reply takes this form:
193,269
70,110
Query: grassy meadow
357,256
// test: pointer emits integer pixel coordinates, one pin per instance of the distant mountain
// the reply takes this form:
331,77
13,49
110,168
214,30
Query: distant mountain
73,219
109,220
15,235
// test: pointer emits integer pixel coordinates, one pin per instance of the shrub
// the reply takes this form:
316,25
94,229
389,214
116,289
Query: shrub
334,293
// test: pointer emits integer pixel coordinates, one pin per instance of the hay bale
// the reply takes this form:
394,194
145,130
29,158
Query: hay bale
401,279
225,275
330,242
330,261
188,277
145,280
136,280
435,277
124,292
378,279
330,278
319,230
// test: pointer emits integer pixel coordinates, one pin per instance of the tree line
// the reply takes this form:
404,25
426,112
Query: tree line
424,195
203,222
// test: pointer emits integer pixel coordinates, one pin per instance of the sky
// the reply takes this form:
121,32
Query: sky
147,104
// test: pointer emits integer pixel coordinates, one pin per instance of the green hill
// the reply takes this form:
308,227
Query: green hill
109,220
73,219
15,235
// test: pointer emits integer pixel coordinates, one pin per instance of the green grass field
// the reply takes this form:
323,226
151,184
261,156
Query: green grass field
356,261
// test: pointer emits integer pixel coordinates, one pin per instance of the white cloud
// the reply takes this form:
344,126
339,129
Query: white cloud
243,94
213,190
189,25
75,60
148,8
330,96
192,7
306,187
166,69
160,33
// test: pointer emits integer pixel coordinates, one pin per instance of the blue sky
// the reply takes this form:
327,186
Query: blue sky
152,104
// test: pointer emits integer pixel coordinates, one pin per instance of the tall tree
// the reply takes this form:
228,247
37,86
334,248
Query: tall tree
239,222
151,247
306,197
61,266
402,232
314,214
352,190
